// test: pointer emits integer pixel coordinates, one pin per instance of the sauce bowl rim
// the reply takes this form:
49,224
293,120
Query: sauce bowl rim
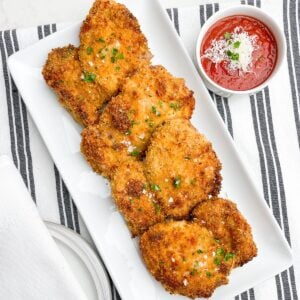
238,10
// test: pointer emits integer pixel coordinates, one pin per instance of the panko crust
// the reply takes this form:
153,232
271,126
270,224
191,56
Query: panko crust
112,45
225,221
62,72
128,121
185,258
147,99
134,199
104,147
182,167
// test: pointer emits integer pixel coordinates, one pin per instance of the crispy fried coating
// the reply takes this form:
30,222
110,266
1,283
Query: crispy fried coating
147,99
134,199
62,72
185,258
112,45
228,225
151,96
181,167
104,147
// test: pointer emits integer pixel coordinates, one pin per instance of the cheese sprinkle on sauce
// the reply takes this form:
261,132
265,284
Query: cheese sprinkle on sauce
236,48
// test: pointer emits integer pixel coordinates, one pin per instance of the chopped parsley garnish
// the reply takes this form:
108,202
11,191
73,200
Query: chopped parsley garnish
227,35
101,40
155,111
193,181
157,208
128,132
117,68
236,44
177,182
229,53
160,104
208,274
175,105
155,187
135,153
67,53
130,200
132,122
229,256
114,51
116,55
150,123
88,77
120,56
89,50
217,261
199,251
220,251
102,50
193,272
217,240
161,263
233,56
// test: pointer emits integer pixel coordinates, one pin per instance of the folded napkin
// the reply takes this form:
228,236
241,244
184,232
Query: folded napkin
31,266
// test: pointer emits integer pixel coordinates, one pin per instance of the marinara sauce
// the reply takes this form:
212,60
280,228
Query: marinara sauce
263,56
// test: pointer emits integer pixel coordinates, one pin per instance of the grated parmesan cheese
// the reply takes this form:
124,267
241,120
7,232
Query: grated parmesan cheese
219,50
130,148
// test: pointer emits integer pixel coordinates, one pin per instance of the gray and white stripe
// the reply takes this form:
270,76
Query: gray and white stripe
271,174
291,13
18,121
67,209
272,180
260,111
222,104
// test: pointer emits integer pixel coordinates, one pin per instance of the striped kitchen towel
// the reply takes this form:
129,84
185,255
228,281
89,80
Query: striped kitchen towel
265,127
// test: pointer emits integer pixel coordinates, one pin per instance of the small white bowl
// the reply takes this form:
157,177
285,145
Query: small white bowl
245,10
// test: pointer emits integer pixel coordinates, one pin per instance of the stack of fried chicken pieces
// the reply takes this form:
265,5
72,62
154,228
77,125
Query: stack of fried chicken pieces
165,176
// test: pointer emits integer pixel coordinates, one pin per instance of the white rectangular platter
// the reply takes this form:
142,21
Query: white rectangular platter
91,192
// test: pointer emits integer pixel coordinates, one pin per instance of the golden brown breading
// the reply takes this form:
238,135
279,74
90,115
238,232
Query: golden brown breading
81,97
134,199
228,225
185,258
147,99
181,167
104,147
112,45
151,96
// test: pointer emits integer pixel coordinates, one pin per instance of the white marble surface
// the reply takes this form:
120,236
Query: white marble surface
25,13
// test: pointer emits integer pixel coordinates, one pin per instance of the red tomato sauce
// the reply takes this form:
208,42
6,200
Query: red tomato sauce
264,56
